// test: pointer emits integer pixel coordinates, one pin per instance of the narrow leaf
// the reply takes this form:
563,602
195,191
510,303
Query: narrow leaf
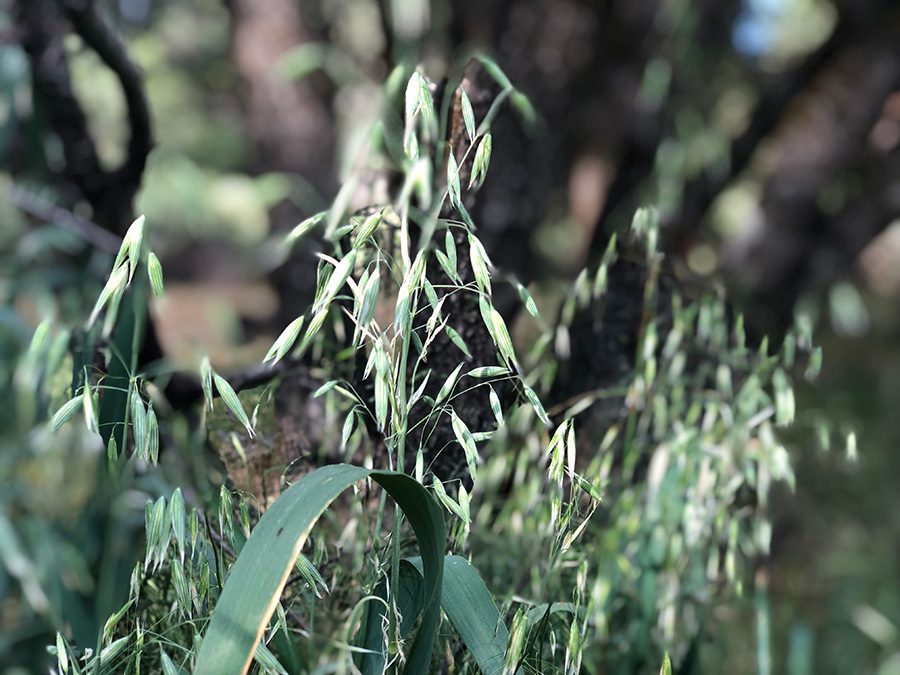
285,341
258,576
65,413
89,405
155,272
488,371
468,113
305,226
479,261
134,237
501,334
453,187
206,375
115,283
232,402
456,339
464,437
448,385
481,162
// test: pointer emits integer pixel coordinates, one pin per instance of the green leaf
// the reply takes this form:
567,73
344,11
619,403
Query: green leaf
370,298
168,666
494,70
426,102
110,626
482,161
468,113
258,576
89,405
409,599
347,430
206,377
501,334
155,272
448,385
536,404
114,285
39,340
232,402
450,248
135,239
446,265
285,341
65,413
464,437
112,453
381,400
368,227
666,668
496,408
336,281
526,111
177,516
62,654
457,339
411,100
139,424
479,261
446,499
305,226
311,575
488,371
453,187
527,300
468,604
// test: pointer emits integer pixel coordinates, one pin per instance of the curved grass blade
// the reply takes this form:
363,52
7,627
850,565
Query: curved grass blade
470,607
409,600
255,583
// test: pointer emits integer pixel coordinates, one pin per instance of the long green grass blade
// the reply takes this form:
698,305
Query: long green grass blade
409,600
255,583
470,607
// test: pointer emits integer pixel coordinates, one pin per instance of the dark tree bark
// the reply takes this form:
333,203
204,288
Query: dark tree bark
43,25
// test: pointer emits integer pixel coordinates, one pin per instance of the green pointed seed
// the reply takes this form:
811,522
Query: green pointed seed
89,406
453,187
65,413
115,284
285,341
468,113
232,402
450,248
488,371
457,339
448,385
305,226
139,424
482,161
155,272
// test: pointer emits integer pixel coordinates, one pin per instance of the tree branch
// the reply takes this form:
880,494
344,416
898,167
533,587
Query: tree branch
99,37
42,209
701,192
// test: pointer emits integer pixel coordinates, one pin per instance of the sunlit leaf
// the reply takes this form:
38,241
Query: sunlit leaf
65,413
285,341
482,161
468,113
257,578
155,273
305,226
232,402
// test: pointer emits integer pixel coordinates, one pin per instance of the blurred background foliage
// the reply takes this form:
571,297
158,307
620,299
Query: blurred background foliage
766,132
